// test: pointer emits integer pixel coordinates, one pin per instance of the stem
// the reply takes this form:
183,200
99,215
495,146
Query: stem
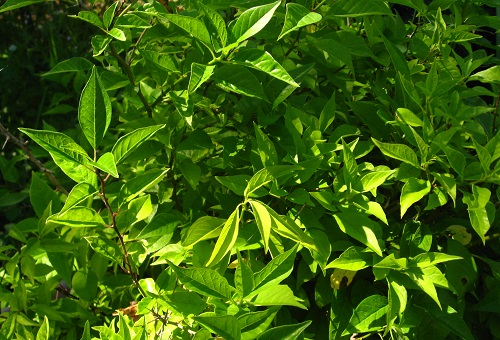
132,57
130,76
29,155
318,5
495,114
126,260
292,47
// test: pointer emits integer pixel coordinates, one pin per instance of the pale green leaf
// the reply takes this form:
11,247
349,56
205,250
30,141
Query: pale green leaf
368,315
243,278
217,21
372,180
78,217
109,15
44,330
280,295
199,75
239,79
70,65
132,140
107,164
481,211
360,227
78,194
285,332
251,22
263,220
10,5
278,269
424,282
266,148
204,228
263,61
191,25
413,191
355,8
204,281
226,326
353,259
91,18
159,59
398,151
298,16
94,110
226,239
266,175
431,258
491,75
254,323
69,156
117,33
409,117
139,184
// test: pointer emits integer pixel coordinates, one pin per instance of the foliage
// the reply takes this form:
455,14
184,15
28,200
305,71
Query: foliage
257,170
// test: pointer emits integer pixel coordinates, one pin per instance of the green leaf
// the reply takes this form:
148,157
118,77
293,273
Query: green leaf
424,282
254,323
226,239
372,180
398,151
91,18
44,330
105,247
481,211
70,65
204,281
159,59
243,278
139,184
199,75
86,331
353,259
327,115
94,110
266,148
448,183
191,25
413,191
278,269
251,22
41,195
283,225
368,315
285,332
263,220
117,33
409,117
266,175
109,15
78,217
240,80
263,61
69,156
204,228
132,140
431,258
78,194
398,299
360,227
85,285
491,75
451,320
397,58
353,8
217,21
10,5
226,325
107,164
298,16
280,295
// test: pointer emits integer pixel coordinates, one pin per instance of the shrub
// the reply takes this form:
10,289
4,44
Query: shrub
255,169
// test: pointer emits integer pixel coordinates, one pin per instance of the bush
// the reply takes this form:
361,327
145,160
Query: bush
246,169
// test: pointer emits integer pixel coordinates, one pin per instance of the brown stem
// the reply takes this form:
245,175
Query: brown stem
126,260
130,76
29,155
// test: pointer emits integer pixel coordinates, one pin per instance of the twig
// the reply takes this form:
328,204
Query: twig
29,155
292,47
128,266
130,76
